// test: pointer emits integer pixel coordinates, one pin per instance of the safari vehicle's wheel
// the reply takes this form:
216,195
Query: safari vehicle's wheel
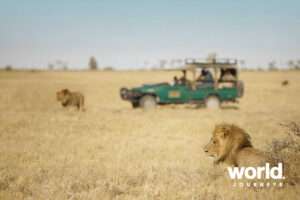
148,102
240,91
212,102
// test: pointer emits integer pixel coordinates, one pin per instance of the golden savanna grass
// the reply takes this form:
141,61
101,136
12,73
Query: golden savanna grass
112,151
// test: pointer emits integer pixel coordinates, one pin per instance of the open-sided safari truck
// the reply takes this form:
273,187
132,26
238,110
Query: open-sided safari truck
221,84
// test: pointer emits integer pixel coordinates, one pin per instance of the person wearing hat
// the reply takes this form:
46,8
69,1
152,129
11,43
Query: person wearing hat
206,76
206,79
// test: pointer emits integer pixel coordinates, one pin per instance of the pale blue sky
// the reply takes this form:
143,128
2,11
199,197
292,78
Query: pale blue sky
126,33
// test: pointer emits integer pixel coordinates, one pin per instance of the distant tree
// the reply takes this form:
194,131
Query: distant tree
162,63
50,66
8,68
272,65
108,68
65,65
259,69
136,63
179,61
294,65
242,63
154,68
145,64
93,63
172,63
297,66
58,63
290,63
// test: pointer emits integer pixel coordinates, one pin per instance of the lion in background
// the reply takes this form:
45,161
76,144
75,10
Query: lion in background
231,145
69,99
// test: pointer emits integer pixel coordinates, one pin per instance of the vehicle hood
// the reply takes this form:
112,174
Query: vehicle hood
149,86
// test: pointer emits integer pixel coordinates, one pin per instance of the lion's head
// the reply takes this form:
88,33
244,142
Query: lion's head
226,141
63,95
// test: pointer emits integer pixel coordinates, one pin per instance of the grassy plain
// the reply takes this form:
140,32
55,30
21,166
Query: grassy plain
112,151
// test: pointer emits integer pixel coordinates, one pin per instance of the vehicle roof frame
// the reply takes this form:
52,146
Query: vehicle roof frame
192,65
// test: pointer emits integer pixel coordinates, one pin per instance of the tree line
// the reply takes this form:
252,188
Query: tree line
164,63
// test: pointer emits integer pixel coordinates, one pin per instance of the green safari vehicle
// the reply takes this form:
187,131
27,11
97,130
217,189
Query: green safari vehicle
211,92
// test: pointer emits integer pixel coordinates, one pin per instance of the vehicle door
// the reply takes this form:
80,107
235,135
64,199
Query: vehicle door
178,93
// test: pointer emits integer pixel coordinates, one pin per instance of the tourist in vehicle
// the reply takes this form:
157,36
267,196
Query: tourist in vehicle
205,76
206,79
174,82
228,76
183,80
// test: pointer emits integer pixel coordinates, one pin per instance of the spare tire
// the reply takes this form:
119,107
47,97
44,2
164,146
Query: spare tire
240,89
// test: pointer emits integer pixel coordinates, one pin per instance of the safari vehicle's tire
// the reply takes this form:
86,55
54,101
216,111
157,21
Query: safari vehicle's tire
148,102
135,104
240,89
212,102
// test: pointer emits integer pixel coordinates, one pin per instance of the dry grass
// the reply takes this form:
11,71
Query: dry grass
112,151
287,151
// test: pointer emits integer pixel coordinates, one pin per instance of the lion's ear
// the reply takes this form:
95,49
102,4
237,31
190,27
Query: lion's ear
65,91
225,132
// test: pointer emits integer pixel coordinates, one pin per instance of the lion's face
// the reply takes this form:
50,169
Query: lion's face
63,95
212,148
226,142
217,142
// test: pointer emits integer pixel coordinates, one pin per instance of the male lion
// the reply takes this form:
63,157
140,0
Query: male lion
231,145
68,98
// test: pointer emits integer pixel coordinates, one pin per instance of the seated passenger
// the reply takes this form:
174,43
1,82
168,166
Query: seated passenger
206,79
174,82
184,81
227,80
228,77
205,76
